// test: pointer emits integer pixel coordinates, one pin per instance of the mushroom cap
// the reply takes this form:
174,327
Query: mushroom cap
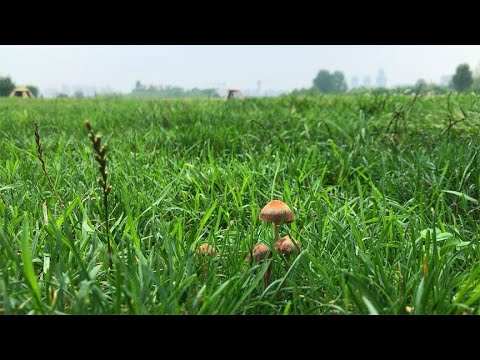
285,245
276,211
259,252
205,249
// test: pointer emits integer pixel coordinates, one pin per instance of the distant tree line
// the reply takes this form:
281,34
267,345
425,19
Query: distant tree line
7,86
151,91
140,91
325,83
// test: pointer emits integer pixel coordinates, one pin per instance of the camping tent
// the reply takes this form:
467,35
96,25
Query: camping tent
233,93
21,91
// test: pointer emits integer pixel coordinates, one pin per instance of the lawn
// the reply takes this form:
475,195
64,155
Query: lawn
384,189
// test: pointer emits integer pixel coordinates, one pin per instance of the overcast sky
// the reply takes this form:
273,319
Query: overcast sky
278,67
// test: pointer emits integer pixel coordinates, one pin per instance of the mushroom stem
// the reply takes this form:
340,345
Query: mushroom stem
287,262
267,275
275,231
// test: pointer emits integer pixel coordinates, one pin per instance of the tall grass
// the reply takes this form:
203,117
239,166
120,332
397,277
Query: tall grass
385,193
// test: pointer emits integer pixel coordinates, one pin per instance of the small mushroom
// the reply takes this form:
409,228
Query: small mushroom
205,250
260,251
277,211
286,246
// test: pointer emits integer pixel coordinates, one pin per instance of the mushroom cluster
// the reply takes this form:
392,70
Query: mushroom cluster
278,212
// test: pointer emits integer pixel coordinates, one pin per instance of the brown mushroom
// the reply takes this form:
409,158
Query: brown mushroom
286,246
277,211
205,250
260,251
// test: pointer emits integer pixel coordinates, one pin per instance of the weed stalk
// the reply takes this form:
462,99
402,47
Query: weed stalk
44,167
100,152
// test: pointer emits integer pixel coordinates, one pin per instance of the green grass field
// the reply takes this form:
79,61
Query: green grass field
385,191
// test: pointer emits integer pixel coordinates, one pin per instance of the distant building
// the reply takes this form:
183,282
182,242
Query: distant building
259,88
366,81
354,82
381,80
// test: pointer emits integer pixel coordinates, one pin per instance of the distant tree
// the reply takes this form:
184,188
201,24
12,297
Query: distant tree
476,79
476,84
151,91
305,92
139,86
339,83
330,83
323,81
361,90
6,86
420,86
438,89
33,89
78,94
463,79
62,96
476,72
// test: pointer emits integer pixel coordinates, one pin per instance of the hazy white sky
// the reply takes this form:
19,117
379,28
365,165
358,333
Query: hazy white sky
279,67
